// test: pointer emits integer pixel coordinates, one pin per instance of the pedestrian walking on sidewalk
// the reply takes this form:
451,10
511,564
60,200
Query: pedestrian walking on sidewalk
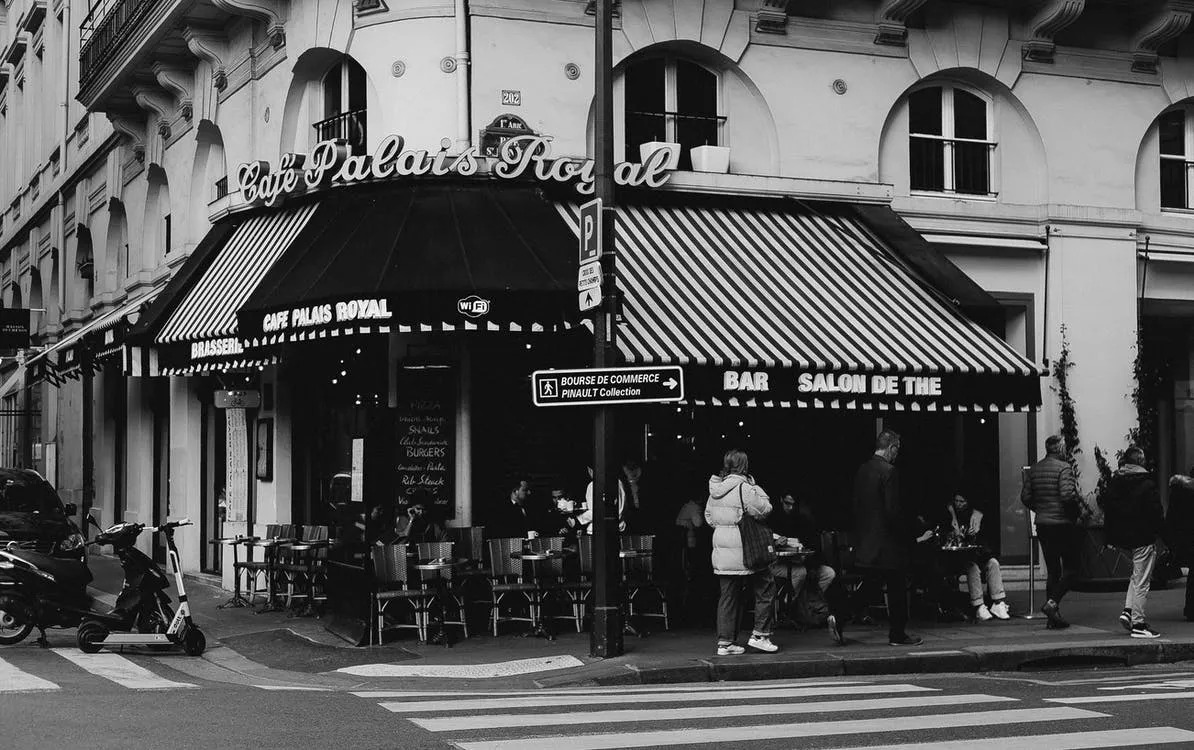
885,533
1134,519
732,493
1052,494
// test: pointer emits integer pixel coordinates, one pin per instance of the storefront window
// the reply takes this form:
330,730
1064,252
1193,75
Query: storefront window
671,100
950,143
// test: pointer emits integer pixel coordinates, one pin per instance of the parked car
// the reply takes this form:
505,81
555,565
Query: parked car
32,516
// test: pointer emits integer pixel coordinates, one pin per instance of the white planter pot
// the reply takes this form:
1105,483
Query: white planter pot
650,147
711,159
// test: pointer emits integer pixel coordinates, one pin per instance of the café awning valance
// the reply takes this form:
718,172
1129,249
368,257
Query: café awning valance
809,297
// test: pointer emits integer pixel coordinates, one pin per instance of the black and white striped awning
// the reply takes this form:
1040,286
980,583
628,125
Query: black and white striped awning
809,297
208,311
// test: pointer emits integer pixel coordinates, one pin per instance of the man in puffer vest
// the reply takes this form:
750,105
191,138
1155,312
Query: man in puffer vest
1132,509
1051,492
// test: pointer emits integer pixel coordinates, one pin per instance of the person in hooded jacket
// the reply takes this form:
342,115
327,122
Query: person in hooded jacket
1051,493
732,492
1134,519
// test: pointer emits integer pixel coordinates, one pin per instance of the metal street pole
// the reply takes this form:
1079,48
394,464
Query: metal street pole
607,612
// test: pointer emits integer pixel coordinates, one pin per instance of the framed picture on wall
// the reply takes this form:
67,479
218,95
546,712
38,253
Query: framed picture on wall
265,450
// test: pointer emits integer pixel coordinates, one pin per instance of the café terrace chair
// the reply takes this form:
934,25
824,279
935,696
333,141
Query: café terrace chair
506,579
393,582
577,592
300,569
548,577
253,568
447,583
638,574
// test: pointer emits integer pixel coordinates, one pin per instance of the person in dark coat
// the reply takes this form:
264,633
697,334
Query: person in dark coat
514,517
884,530
1052,494
793,524
1179,531
1132,509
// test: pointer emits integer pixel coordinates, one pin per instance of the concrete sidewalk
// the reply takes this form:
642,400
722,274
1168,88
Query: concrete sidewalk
289,649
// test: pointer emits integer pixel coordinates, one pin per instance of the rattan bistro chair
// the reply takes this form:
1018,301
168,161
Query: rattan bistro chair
577,592
393,582
254,568
506,579
639,576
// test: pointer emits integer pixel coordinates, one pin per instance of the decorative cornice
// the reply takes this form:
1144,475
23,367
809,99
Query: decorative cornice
270,12
211,46
1048,22
1165,24
181,83
772,17
892,21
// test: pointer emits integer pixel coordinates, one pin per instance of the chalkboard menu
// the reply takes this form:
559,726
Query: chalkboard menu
427,439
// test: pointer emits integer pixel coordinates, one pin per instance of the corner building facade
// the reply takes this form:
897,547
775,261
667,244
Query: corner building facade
1023,166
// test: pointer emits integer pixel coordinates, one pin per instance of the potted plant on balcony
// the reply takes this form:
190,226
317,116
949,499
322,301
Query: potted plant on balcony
650,147
711,159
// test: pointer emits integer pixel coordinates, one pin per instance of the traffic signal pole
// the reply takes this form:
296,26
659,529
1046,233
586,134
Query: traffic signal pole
606,637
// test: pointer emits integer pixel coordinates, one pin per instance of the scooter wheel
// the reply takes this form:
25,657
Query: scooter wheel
194,643
14,626
91,636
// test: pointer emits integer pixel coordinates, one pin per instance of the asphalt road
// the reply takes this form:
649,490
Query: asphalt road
63,698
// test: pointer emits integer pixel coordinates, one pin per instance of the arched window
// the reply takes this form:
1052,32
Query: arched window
673,100
343,89
950,141
1176,136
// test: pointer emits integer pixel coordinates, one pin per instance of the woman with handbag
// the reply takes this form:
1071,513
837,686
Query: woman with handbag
742,553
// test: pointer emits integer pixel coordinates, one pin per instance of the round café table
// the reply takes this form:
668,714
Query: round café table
539,631
238,599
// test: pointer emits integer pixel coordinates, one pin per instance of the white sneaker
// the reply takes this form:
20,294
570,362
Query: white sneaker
982,614
731,650
999,609
762,643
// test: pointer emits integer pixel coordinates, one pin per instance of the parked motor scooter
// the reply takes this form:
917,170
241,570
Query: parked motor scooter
40,591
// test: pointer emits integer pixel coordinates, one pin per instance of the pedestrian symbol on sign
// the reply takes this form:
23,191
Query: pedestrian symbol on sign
548,388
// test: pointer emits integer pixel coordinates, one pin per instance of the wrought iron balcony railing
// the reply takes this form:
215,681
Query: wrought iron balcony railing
347,126
106,27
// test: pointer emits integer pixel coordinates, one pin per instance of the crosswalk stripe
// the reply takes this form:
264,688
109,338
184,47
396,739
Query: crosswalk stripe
496,721
13,680
120,670
689,736
1121,698
1070,741
621,690
488,704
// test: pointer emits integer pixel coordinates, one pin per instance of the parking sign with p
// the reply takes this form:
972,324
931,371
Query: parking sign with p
590,231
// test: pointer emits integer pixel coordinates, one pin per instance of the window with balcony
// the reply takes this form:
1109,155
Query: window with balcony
1176,136
950,143
673,100
343,89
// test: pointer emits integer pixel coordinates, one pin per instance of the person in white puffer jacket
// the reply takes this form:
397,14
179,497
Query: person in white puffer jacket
731,491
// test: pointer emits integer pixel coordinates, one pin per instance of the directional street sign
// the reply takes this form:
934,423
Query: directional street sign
613,385
589,276
590,231
590,298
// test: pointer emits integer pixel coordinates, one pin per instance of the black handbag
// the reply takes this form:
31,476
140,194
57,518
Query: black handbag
758,548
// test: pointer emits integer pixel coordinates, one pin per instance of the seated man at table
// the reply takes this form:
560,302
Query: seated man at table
793,525
965,527
419,524
515,517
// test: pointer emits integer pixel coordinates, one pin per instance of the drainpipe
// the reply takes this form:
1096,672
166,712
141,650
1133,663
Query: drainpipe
65,103
464,137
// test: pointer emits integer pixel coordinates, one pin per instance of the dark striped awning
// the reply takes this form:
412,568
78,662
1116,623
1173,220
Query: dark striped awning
811,299
193,328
